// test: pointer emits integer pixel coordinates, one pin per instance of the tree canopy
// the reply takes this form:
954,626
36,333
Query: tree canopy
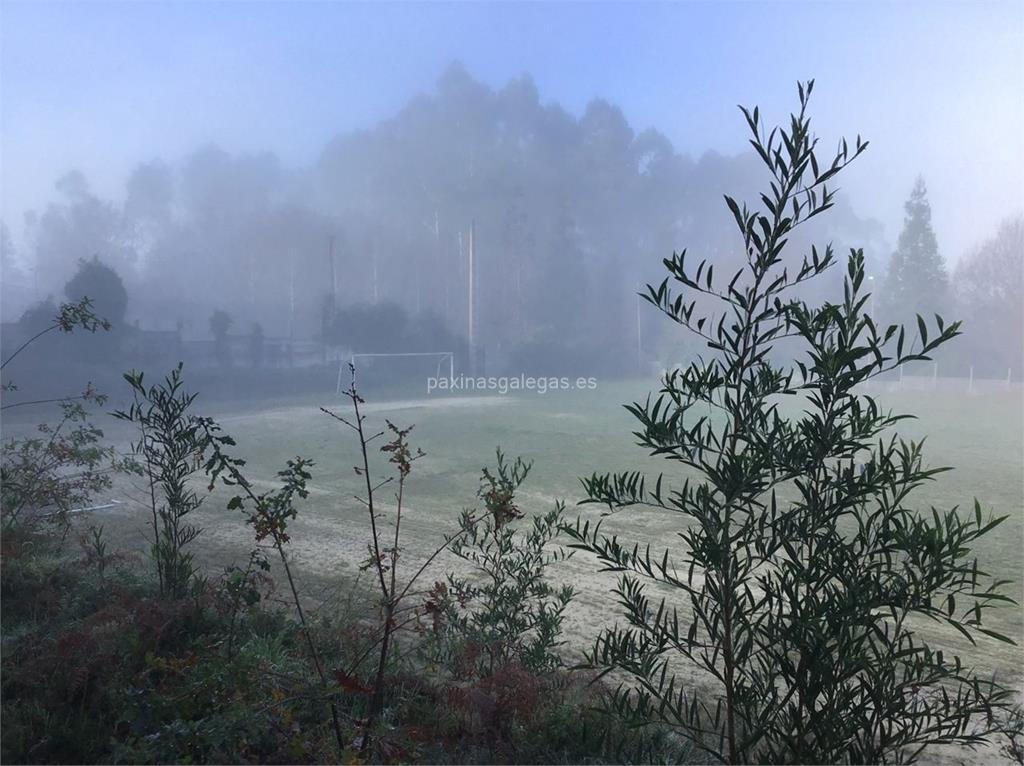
551,194
96,280
989,286
916,282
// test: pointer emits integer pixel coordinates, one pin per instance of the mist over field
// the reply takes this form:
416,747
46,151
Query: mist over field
501,222
264,160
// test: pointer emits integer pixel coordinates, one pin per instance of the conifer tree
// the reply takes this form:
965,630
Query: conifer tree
916,282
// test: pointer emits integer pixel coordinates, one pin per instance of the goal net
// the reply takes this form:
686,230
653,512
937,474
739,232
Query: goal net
437,362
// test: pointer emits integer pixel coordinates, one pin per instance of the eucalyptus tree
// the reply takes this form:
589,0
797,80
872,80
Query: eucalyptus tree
801,573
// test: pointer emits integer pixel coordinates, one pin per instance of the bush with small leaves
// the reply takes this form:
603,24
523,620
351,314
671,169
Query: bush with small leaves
507,613
45,477
269,513
48,476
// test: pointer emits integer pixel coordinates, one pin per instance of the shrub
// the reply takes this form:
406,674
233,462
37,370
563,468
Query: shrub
48,476
65,676
804,574
384,550
507,614
172,442
268,513
60,470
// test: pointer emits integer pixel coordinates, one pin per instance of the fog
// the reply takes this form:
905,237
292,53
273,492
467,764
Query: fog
316,169
511,382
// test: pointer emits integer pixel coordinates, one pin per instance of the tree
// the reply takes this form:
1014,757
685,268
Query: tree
14,284
256,346
220,323
404,193
802,574
38,316
554,308
989,286
102,285
79,224
381,327
916,282
150,193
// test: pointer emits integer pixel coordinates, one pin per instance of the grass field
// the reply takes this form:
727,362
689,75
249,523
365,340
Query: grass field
567,435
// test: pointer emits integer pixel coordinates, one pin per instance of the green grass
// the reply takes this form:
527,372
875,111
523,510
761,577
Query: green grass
568,435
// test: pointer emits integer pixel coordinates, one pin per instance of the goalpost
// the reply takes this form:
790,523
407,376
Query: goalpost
441,357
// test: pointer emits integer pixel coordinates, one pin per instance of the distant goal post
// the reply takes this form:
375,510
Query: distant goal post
353,360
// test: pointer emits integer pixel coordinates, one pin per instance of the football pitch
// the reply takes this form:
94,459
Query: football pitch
569,434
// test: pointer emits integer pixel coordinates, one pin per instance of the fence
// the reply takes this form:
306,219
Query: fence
937,379
932,376
275,353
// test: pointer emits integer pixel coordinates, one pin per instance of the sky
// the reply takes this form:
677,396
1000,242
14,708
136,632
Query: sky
938,87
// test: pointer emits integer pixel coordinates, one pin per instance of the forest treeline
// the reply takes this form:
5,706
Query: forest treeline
379,226
552,198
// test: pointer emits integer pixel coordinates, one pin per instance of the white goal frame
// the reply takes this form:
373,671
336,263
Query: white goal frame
441,355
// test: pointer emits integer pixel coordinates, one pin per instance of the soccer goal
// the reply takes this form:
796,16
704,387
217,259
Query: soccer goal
445,359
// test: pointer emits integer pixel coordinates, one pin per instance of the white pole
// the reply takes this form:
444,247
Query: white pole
373,250
901,377
970,381
328,320
935,374
1009,370
519,293
472,341
291,297
461,248
639,337
334,273
252,279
